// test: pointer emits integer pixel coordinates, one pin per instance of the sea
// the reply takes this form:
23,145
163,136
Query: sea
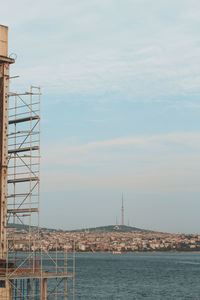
152,276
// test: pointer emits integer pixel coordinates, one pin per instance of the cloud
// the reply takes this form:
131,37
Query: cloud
137,50
163,181
171,140
159,163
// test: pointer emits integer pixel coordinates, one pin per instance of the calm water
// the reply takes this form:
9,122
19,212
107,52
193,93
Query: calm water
138,276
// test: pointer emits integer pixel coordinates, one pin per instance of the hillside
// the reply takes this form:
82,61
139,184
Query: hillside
113,228
108,228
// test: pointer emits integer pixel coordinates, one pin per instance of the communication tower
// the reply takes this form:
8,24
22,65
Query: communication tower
122,210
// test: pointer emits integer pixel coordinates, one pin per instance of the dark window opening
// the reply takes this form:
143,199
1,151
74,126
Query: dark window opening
2,284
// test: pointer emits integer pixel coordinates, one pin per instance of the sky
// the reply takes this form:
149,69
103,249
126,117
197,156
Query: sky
120,108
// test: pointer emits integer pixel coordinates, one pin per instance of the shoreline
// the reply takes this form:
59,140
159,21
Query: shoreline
123,252
133,252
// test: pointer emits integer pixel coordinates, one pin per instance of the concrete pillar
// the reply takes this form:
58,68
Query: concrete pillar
4,107
5,290
43,289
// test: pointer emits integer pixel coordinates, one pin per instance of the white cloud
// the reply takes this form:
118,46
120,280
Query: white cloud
171,140
87,47
161,181
149,164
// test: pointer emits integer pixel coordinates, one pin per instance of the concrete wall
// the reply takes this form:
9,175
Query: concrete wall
3,40
6,292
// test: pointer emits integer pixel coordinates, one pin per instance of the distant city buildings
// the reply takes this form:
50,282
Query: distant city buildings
114,241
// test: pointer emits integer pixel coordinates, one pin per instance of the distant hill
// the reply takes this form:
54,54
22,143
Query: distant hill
108,228
26,227
113,228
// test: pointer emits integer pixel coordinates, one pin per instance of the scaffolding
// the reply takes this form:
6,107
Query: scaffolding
33,273
23,198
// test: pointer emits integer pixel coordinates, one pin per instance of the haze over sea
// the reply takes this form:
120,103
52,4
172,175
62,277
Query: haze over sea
152,276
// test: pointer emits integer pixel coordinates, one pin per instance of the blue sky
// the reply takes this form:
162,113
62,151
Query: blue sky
120,108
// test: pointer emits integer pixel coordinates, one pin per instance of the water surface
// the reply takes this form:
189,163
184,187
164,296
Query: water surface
152,276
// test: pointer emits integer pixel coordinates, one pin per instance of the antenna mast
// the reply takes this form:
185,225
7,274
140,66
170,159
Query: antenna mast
122,210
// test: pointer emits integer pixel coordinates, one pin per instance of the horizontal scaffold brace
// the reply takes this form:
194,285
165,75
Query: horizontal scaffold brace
22,210
33,148
15,121
18,180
